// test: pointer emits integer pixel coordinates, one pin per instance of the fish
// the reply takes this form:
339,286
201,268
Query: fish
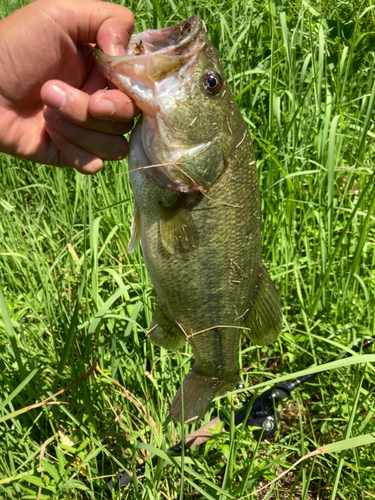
197,207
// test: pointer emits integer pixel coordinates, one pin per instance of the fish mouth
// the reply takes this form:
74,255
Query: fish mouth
157,64
174,40
152,56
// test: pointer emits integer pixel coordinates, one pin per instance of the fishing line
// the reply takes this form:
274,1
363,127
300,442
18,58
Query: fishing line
258,411
190,178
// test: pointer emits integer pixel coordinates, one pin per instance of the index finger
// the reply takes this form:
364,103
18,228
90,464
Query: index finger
112,105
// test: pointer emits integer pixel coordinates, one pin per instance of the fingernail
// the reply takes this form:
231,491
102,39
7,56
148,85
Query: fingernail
105,107
120,50
117,48
55,96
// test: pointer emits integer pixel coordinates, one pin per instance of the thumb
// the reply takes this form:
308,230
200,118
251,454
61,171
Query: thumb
108,25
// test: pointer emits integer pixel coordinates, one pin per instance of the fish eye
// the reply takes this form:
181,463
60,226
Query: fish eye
212,82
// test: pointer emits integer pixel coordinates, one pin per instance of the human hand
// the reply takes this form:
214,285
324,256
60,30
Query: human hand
52,106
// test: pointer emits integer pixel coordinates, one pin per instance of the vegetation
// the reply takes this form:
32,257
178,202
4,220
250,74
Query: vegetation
76,308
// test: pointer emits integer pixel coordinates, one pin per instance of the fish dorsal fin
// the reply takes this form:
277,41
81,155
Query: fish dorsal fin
135,230
164,332
264,318
178,231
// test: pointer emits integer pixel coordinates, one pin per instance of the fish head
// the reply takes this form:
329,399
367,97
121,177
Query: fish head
176,77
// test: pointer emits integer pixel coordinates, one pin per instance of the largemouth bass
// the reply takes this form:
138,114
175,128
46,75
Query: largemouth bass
197,207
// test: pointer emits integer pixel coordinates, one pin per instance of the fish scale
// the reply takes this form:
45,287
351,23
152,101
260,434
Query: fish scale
197,200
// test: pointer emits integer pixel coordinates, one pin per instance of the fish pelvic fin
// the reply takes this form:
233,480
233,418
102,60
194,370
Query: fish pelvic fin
178,231
198,392
164,332
135,230
264,318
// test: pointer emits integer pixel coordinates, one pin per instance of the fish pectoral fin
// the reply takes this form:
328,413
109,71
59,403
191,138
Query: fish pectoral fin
264,318
178,231
135,230
164,332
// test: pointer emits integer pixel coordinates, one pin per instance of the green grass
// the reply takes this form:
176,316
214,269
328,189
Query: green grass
303,75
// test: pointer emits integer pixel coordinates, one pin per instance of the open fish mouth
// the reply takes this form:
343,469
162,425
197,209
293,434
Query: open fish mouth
157,65
173,41
152,57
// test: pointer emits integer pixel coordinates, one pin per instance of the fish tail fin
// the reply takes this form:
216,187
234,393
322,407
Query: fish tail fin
198,392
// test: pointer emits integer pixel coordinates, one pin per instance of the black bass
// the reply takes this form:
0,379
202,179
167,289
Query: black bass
197,206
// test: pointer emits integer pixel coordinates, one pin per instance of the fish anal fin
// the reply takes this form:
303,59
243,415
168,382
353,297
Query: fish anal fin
178,231
164,332
264,318
135,230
